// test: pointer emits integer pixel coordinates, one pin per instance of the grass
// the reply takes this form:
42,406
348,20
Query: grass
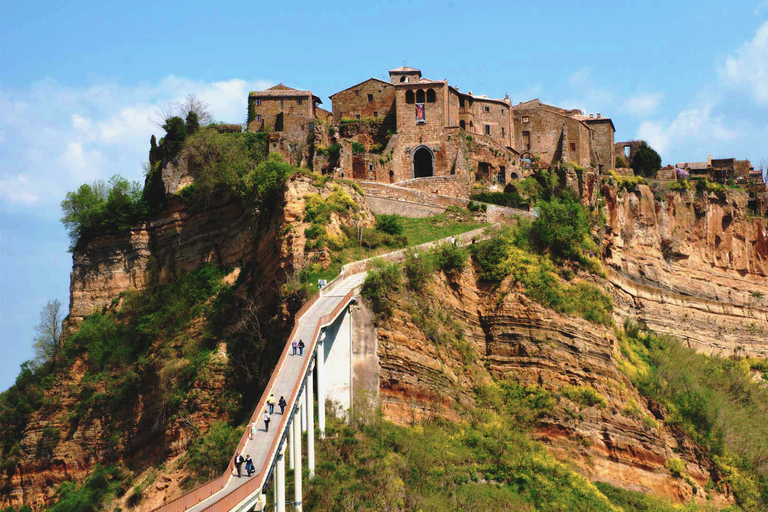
427,229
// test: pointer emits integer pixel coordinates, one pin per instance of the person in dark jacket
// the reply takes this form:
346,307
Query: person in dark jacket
282,403
301,347
238,463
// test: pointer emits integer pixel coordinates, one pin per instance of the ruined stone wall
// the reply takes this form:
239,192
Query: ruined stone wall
273,111
455,185
545,128
634,145
603,143
355,101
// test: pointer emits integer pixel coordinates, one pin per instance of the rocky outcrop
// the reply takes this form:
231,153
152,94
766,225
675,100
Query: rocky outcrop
621,442
694,265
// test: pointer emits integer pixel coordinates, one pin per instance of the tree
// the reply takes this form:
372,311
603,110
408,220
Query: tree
48,333
646,161
192,123
175,134
560,227
194,104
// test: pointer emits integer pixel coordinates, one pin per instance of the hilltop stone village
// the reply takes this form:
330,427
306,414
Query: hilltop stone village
429,136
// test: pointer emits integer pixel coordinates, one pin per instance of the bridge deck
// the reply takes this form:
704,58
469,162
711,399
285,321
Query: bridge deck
287,381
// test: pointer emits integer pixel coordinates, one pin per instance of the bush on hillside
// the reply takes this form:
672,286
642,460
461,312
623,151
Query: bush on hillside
511,200
450,258
646,161
383,279
209,455
561,228
102,208
390,224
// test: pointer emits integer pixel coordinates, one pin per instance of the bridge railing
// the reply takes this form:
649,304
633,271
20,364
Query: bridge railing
230,500
206,490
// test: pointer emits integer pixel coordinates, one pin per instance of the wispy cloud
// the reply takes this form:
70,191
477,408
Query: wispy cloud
56,137
643,103
747,69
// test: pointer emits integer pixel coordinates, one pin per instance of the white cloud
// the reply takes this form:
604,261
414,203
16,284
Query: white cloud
695,127
747,69
56,137
643,103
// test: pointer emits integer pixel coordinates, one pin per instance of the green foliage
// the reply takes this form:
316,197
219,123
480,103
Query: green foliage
502,256
450,258
628,183
676,467
509,199
192,123
332,152
90,496
476,207
102,208
210,454
561,228
621,162
318,210
632,501
419,267
357,148
251,111
175,135
383,279
586,396
16,405
646,161
390,224
713,400
704,185
118,337
486,462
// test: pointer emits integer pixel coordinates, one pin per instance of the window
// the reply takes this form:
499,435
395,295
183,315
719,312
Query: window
461,101
302,127
403,79
375,114
357,92
431,96
487,129
370,98
357,116
258,102
311,126
409,97
502,111
299,101
281,103
486,109
258,118
463,125
573,146
526,119
502,131
527,140
420,96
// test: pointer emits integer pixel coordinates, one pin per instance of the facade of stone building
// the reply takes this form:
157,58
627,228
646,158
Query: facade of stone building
560,135
372,98
720,169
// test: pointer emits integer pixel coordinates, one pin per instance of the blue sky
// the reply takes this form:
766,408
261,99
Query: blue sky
81,80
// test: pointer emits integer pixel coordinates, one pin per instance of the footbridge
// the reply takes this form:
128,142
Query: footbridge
294,377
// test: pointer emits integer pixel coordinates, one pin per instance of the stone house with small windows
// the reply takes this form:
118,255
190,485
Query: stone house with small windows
560,135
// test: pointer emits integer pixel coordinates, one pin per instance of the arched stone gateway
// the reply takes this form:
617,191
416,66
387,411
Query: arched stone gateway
423,162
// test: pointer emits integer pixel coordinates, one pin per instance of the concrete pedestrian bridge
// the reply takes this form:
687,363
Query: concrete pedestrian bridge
323,324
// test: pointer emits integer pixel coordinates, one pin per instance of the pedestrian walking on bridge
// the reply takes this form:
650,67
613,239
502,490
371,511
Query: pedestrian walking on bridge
266,421
301,347
238,463
282,403
249,469
294,344
271,404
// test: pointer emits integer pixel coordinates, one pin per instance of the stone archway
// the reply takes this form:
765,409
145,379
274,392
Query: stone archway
423,162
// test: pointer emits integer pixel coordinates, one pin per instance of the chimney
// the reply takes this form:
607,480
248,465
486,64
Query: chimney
598,115
591,116
709,160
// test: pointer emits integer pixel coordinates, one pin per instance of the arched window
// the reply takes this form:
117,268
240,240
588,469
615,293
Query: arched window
420,96
403,79
430,95
463,125
409,96
471,126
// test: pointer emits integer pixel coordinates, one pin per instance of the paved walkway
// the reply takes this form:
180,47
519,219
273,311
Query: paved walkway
285,384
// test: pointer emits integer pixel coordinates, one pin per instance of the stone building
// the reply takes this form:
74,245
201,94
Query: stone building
720,169
560,135
372,98
290,116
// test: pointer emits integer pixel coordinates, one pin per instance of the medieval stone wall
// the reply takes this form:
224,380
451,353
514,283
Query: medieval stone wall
545,130
603,143
372,98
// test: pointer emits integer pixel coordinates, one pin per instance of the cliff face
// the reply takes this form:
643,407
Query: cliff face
691,265
622,442
261,248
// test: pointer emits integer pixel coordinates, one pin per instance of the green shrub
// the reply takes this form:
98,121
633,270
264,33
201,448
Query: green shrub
450,258
646,161
676,467
621,162
561,227
512,200
419,267
209,455
102,208
383,279
175,134
91,495
584,395
357,148
390,224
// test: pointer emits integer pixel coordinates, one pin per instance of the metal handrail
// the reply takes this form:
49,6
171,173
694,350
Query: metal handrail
205,491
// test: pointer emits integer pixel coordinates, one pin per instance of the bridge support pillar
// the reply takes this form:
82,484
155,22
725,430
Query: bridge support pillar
280,482
291,446
320,365
310,406
297,452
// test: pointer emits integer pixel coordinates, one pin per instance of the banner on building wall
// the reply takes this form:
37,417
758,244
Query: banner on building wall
420,113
